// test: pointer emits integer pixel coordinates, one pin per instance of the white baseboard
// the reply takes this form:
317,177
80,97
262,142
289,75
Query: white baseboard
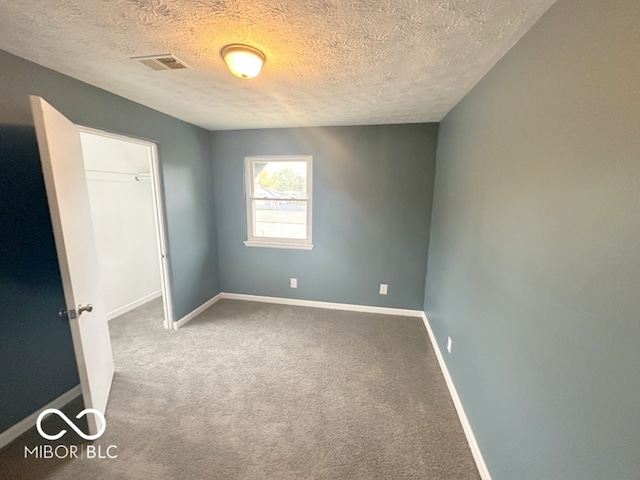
22,426
190,316
147,298
466,426
328,305
301,303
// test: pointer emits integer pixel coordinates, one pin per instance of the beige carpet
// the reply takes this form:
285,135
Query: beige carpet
253,391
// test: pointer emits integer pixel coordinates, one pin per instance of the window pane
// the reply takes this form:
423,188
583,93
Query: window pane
280,219
280,179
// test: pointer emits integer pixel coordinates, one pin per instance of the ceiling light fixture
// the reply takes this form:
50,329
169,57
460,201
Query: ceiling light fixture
243,61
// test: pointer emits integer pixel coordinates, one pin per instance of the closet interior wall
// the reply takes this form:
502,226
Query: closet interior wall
121,198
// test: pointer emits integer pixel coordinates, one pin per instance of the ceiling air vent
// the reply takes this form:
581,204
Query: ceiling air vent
162,62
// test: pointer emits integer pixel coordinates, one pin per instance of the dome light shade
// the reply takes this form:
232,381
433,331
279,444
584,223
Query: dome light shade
243,61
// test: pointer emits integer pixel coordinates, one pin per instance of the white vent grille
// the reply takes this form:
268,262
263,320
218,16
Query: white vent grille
162,62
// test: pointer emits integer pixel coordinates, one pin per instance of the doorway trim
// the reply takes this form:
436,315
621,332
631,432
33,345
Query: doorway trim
159,214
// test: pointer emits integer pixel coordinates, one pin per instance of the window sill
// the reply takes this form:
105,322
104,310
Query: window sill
295,246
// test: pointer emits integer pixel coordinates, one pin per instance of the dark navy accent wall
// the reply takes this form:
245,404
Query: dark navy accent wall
36,354
372,189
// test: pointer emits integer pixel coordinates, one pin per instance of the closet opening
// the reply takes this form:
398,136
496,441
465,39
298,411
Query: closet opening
127,209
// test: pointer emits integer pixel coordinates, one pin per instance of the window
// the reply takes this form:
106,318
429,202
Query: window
278,190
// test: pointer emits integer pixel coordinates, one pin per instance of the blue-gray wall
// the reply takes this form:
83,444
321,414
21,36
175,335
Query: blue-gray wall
534,260
372,189
37,363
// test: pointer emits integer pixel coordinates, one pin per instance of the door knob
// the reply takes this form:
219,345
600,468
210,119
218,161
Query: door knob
85,308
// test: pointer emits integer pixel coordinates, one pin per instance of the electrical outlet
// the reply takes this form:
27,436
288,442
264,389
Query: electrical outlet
383,288
449,342
293,282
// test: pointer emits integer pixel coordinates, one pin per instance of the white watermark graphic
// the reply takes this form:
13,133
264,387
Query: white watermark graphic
71,451
97,413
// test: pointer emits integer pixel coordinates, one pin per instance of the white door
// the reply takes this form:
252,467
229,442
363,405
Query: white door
66,185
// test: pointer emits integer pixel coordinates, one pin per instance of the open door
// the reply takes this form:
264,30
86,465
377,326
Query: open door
66,185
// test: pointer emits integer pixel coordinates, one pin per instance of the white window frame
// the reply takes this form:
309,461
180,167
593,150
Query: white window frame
273,242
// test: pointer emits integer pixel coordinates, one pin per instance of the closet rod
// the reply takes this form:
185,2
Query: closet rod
138,177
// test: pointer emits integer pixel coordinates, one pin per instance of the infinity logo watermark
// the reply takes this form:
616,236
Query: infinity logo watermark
71,451
97,413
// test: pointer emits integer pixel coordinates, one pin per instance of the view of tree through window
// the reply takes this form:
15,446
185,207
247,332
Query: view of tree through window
283,180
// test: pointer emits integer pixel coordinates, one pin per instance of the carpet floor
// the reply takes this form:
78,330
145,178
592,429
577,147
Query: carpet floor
254,391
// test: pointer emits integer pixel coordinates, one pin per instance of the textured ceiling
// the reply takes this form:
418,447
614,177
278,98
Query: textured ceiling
329,62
